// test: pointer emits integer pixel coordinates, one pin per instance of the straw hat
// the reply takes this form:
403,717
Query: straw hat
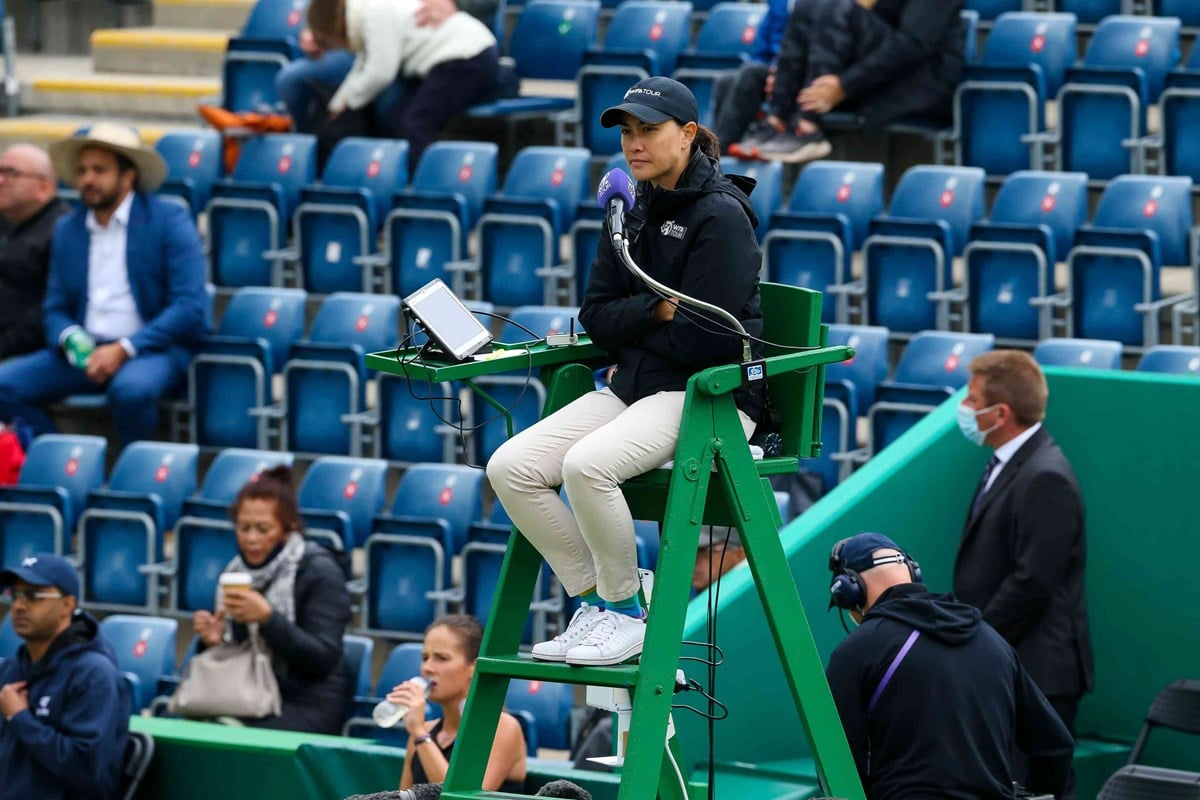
120,139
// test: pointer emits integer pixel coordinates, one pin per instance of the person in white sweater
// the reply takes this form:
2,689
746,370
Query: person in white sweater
441,70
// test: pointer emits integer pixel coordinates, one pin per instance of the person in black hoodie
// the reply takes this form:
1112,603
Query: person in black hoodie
933,700
65,707
692,228
297,597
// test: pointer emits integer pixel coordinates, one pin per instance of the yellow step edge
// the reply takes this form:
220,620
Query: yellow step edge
101,85
58,129
198,41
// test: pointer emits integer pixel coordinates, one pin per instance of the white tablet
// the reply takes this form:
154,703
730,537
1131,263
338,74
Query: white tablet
457,332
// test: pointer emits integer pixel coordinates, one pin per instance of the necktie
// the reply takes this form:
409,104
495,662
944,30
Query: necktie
981,490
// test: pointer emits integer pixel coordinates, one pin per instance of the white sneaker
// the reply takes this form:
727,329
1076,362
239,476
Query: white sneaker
582,622
615,638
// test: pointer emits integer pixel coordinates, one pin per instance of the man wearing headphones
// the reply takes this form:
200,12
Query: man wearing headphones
932,699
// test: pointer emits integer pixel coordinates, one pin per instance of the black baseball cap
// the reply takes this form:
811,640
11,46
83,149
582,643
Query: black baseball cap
655,100
43,569
856,553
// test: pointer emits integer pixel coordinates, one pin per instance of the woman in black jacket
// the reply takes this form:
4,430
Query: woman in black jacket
692,228
297,597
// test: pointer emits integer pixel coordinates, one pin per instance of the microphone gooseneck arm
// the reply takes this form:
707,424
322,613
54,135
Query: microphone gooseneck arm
621,245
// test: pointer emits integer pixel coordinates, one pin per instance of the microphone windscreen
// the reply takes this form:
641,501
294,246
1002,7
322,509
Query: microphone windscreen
426,791
571,791
616,183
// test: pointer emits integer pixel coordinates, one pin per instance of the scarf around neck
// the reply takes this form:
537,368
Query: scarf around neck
276,579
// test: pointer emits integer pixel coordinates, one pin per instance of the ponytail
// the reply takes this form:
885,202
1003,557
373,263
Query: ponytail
707,142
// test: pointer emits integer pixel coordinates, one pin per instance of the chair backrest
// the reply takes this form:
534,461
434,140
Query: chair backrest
1176,707
139,752
1151,203
357,651
402,663
1170,358
194,157
1089,11
274,315
791,317
287,160
550,704
1057,200
841,187
1187,11
467,169
991,9
144,646
276,19
730,28
1150,783
378,165
367,321
1019,38
1150,44
559,174
542,320
662,26
74,463
767,196
1090,353
951,194
160,468
868,367
354,486
451,492
234,467
551,37
939,358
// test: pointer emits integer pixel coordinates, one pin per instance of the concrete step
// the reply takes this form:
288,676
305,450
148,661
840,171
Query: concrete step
219,15
42,129
159,51
108,96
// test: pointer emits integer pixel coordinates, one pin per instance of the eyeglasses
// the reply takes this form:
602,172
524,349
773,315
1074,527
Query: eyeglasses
29,596
12,173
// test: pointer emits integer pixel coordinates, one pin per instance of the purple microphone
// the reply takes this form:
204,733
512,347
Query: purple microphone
616,195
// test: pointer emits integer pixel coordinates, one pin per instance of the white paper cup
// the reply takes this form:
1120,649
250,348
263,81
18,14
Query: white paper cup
237,581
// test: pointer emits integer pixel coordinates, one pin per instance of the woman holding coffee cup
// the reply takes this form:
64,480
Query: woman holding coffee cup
295,593
447,665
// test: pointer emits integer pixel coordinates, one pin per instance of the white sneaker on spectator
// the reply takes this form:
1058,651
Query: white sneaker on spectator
614,639
582,622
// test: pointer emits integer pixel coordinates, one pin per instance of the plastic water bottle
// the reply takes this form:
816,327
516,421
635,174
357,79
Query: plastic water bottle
388,715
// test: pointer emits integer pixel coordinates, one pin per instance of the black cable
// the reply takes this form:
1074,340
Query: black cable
695,315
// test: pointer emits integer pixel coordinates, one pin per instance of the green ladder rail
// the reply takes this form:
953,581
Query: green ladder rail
715,480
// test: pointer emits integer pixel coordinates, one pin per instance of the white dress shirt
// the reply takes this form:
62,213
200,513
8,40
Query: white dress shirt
112,314
1006,451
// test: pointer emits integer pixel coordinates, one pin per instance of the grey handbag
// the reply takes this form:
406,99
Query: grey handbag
229,680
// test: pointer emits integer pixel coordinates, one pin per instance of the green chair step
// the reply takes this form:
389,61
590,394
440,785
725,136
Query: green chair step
523,666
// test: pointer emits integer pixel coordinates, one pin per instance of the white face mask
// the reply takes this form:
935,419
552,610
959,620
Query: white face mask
968,423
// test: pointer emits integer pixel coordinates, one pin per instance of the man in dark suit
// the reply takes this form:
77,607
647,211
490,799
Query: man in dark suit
124,306
1022,556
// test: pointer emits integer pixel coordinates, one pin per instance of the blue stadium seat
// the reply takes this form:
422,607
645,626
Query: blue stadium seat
247,214
812,241
645,34
519,260
1089,11
121,532
1102,107
723,42
767,196
145,649
991,9
269,40
194,164
358,651
203,547
1186,10
340,496
585,233
1178,152
39,513
550,704
909,252
405,582
430,221
1089,353
1001,101
932,368
1009,264
231,376
403,662
337,222
854,383
447,493
1173,359
232,469
325,380
832,466
1142,224
600,86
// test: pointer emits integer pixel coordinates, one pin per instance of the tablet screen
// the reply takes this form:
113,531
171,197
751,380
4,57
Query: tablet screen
447,321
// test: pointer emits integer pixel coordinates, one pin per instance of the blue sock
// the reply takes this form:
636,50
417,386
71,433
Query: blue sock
591,598
630,607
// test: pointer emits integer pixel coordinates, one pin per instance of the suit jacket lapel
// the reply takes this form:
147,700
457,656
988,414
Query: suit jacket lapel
1006,476
135,250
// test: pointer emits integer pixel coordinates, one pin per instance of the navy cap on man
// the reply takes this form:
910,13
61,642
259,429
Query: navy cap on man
43,569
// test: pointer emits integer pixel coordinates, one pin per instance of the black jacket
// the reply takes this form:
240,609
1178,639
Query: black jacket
70,744
1022,561
314,680
699,239
946,723
24,265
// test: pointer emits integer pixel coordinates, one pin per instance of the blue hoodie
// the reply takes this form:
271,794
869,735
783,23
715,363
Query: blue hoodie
70,743
770,31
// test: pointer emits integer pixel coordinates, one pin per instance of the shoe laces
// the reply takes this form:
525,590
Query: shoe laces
603,629
576,617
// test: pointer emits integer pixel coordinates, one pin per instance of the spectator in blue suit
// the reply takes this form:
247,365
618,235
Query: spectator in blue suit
124,307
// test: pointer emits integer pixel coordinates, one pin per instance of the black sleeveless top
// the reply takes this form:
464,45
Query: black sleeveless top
418,771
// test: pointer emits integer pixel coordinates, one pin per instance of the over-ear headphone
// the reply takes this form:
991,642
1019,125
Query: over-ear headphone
847,589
